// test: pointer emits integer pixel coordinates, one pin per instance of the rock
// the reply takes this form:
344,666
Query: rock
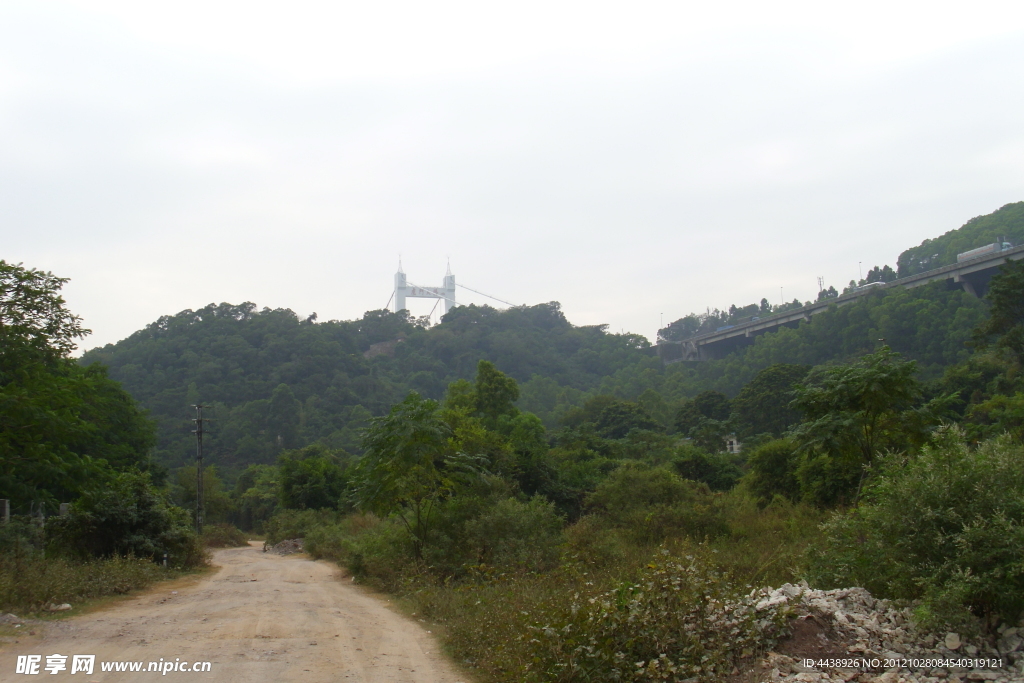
953,641
887,677
1010,642
59,608
971,650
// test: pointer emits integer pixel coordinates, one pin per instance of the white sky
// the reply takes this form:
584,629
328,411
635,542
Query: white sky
627,159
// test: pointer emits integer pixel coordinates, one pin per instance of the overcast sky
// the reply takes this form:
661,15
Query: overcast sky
630,160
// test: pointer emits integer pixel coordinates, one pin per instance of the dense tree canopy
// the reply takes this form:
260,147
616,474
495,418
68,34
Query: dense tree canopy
63,427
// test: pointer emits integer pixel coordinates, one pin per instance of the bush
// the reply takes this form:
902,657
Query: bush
516,535
296,523
130,517
945,527
681,619
773,471
653,504
379,551
716,470
223,535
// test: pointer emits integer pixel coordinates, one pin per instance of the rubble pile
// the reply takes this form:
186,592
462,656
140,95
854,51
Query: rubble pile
846,635
288,546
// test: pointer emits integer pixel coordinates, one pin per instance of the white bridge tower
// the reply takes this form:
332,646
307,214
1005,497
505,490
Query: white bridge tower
405,289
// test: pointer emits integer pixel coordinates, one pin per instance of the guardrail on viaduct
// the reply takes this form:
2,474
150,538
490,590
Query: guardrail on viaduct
973,275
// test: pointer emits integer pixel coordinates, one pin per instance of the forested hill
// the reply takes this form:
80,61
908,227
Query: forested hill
1006,223
276,381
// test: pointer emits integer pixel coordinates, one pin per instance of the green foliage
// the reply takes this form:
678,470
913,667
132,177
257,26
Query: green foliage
268,373
1005,324
513,534
707,405
945,526
716,470
313,477
495,393
1006,223
62,426
408,466
864,408
223,535
287,524
763,405
772,471
256,496
653,504
619,418
128,517
33,318
217,504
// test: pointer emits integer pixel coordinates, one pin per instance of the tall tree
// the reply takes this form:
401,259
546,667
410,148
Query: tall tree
410,464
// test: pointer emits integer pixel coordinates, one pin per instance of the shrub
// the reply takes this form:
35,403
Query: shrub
653,504
378,551
223,535
773,471
945,527
681,619
296,523
716,470
517,535
129,517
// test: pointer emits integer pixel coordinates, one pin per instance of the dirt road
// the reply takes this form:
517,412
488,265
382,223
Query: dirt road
260,617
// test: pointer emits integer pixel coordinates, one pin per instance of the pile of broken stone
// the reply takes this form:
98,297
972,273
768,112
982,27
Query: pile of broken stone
873,629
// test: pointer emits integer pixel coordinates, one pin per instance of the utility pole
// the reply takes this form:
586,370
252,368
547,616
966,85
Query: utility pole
198,431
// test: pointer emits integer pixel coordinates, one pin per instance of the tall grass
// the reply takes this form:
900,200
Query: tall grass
29,584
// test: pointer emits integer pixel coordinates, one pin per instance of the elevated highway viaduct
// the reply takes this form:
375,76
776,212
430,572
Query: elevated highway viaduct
972,275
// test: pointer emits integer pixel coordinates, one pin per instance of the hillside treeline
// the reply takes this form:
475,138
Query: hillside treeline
276,382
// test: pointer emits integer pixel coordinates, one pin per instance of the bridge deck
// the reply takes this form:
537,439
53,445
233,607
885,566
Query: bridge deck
962,273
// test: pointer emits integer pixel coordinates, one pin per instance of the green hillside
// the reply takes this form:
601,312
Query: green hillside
276,381
1006,223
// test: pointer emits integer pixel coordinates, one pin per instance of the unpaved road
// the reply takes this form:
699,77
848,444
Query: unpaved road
260,617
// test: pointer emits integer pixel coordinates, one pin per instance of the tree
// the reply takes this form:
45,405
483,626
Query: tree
128,516
409,464
618,419
312,478
829,293
496,393
763,405
62,426
33,315
1005,324
696,464
858,410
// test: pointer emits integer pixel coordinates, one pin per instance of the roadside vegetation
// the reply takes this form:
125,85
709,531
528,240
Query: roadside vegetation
69,434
